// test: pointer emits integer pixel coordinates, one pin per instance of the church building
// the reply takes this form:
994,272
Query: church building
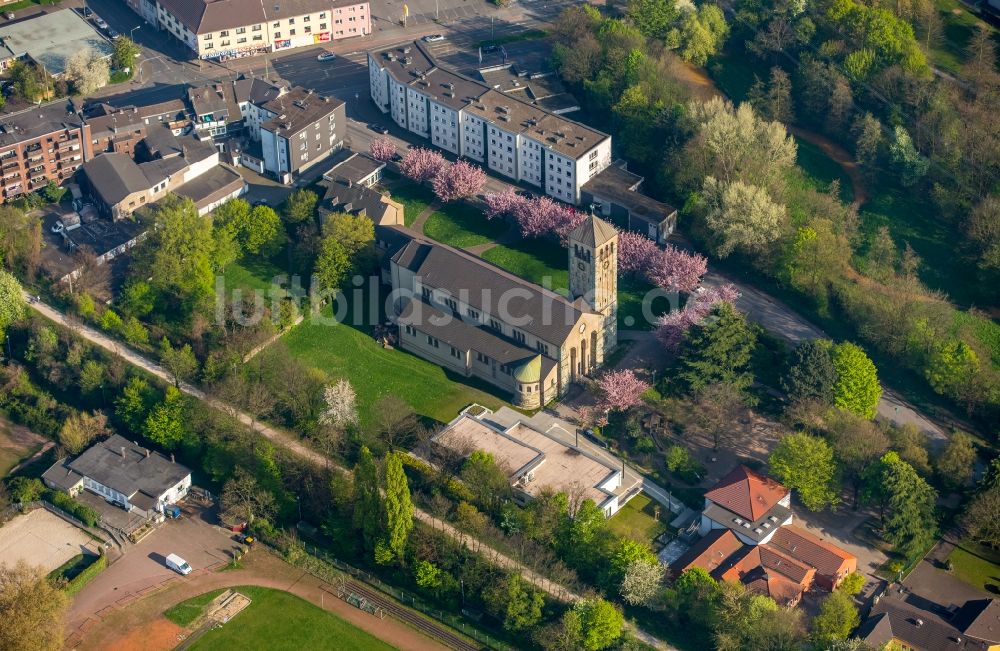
477,320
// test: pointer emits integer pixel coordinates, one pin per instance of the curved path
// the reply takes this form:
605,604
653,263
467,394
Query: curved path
704,87
291,443
126,628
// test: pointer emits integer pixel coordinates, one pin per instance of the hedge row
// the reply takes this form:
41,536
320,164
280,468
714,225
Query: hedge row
81,512
83,578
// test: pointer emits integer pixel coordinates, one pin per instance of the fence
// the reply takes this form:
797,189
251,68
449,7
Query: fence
403,597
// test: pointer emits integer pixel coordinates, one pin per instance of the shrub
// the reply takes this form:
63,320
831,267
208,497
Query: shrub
86,576
81,512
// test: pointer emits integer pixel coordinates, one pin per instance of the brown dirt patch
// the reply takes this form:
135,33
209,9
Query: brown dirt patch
158,635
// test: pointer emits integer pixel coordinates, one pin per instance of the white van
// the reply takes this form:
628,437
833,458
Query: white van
178,564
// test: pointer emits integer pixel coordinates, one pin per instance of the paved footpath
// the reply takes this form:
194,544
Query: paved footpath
292,444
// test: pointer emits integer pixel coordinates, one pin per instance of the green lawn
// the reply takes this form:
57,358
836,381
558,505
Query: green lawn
976,566
349,351
415,198
538,260
279,620
251,273
818,171
14,448
460,225
184,613
542,262
635,520
950,53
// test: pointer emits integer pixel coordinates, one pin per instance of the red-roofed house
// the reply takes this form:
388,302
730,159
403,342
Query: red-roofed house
748,537
831,562
751,505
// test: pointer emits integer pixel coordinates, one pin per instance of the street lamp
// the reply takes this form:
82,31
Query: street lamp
132,31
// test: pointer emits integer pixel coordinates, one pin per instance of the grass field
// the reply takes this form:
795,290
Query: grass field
184,613
415,198
817,170
16,444
461,225
951,50
635,520
251,273
279,620
976,566
349,351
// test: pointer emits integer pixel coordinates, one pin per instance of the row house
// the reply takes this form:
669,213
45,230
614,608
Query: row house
224,29
507,135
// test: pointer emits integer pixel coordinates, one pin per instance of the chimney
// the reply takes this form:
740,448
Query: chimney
171,457
123,452
147,453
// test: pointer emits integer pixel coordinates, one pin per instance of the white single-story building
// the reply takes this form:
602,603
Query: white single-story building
135,478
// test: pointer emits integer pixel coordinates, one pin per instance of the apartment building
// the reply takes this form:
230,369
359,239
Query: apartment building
506,134
42,144
223,29
296,130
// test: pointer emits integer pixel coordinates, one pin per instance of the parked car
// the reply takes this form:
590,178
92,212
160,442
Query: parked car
178,564
100,22
9,15
591,436
261,202
112,34
87,13
433,38
326,56
246,538
378,128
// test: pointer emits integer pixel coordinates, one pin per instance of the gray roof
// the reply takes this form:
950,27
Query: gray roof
254,90
52,38
211,98
728,518
593,232
979,618
160,142
298,109
354,199
894,618
620,186
220,181
128,468
550,316
38,121
62,476
413,65
162,169
465,335
356,168
114,177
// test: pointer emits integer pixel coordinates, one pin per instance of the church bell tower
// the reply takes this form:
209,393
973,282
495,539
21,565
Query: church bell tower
593,272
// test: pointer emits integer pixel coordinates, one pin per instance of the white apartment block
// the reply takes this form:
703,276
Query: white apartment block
215,29
504,134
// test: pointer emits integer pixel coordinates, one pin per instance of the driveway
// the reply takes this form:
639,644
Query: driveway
838,528
142,568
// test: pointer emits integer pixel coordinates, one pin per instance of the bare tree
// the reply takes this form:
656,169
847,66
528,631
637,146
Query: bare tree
715,412
243,499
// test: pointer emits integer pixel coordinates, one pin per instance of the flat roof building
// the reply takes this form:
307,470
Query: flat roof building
51,39
535,461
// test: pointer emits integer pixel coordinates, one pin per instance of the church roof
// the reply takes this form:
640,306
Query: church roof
593,232
530,371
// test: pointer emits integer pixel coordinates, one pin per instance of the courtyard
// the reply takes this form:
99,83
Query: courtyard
43,539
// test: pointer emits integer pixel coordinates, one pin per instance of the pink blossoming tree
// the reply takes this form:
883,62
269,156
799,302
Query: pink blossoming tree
382,149
458,181
421,165
671,327
620,390
676,270
503,204
636,252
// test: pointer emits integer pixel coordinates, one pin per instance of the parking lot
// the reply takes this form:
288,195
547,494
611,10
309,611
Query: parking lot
142,568
43,539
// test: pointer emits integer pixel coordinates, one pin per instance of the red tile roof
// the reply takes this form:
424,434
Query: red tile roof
710,552
829,560
747,493
769,572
